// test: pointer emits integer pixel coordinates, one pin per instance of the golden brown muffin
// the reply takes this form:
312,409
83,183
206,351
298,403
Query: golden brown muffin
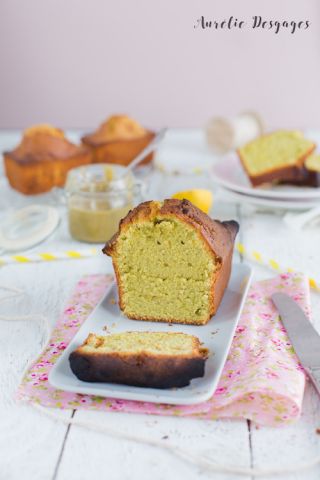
42,160
118,140
142,359
172,262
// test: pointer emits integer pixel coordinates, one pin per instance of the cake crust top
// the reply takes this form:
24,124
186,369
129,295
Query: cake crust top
218,235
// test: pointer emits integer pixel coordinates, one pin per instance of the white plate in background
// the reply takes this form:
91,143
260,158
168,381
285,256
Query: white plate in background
229,196
217,336
229,173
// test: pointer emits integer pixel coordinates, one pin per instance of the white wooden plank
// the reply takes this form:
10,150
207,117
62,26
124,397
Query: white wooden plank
292,445
299,442
87,454
268,234
30,444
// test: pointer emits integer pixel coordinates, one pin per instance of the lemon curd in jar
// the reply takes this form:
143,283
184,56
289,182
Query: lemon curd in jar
95,226
99,196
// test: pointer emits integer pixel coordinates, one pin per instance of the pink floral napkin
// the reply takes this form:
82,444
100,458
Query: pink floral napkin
262,379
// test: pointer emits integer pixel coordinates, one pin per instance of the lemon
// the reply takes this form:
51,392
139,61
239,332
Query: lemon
200,197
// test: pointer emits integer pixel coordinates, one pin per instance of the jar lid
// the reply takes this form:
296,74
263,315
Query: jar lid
27,227
99,178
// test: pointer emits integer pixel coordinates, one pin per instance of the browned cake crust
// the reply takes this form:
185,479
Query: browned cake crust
304,177
312,179
218,236
121,151
140,370
284,175
41,161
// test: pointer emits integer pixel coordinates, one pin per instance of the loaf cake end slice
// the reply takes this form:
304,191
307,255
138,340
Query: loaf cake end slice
143,359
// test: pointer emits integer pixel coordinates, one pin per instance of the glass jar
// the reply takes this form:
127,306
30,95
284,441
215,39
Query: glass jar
98,197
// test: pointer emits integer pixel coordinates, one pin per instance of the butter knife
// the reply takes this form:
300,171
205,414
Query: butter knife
303,336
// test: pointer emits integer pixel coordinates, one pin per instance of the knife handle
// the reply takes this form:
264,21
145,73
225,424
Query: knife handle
314,375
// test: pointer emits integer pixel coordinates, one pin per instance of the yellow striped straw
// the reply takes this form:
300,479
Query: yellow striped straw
49,256
253,255
271,263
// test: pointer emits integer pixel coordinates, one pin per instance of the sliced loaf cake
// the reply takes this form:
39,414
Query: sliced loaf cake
172,262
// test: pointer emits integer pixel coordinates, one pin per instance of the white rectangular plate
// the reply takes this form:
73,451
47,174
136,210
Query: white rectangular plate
217,336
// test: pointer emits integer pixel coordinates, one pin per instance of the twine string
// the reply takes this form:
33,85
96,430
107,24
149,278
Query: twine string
199,460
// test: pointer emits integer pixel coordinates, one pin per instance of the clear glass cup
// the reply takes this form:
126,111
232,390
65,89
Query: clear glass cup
98,197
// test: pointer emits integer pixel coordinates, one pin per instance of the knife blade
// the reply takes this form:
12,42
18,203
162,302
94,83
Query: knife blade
303,336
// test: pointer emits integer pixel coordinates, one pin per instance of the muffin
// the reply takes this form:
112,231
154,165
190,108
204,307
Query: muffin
42,160
118,140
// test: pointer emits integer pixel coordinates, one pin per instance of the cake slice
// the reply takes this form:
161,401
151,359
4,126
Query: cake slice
308,175
143,359
312,167
172,262
276,157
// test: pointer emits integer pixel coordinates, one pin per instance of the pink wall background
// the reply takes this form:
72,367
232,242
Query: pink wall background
73,62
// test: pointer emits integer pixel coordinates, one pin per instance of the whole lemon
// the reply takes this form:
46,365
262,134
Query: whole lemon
200,197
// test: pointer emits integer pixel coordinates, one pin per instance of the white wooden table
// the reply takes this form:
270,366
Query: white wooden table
35,447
